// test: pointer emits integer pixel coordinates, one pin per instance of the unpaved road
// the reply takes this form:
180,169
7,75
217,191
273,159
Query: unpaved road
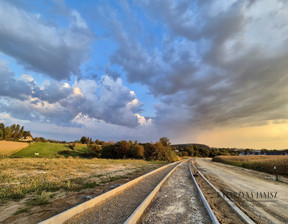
118,208
177,201
232,179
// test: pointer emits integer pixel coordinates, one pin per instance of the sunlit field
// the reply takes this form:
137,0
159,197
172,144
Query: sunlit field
19,177
8,147
260,163
45,149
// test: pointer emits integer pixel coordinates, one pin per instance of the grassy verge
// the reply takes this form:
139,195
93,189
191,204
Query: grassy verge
260,163
20,177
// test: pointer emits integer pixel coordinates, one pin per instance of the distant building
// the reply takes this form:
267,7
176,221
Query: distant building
27,139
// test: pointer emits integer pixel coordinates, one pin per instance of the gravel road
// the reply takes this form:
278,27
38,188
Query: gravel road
232,179
118,208
177,201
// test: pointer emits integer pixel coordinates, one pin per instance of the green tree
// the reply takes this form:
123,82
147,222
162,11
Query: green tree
138,152
84,140
165,141
2,130
96,149
20,134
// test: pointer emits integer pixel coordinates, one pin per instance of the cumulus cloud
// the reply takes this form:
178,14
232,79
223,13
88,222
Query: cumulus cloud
43,47
57,102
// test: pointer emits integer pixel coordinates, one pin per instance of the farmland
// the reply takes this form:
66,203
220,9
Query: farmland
259,163
8,147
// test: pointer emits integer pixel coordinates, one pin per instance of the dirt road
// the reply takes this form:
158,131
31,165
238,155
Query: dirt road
232,180
177,201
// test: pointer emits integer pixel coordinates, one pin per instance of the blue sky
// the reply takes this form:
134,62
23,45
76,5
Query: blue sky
201,71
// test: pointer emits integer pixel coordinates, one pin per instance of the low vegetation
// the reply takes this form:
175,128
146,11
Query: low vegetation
259,163
8,147
52,150
42,177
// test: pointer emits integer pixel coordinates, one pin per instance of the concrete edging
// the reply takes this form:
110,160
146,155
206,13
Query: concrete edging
136,215
66,215
237,210
206,204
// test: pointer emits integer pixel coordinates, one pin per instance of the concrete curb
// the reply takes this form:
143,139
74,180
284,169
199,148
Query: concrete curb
66,215
237,210
206,204
136,215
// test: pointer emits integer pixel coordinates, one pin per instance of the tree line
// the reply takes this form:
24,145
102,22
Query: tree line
160,150
200,150
13,133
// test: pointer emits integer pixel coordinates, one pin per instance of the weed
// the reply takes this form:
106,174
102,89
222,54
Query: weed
22,210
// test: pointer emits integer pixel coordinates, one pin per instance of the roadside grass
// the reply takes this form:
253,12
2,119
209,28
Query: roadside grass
260,163
45,149
26,176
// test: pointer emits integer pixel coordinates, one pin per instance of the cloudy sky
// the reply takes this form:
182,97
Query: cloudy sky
211,72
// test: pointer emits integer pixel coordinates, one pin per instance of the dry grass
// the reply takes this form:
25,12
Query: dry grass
8,147
19,177
260,163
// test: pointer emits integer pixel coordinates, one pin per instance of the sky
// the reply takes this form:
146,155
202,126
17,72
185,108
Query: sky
213,72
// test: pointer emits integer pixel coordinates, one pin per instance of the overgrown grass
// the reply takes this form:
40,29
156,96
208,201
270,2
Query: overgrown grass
44,149
259,163
19,177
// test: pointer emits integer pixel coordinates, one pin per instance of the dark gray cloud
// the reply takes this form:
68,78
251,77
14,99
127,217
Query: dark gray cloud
43,47
220,63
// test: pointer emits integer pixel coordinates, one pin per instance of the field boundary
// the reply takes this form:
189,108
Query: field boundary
66,215
136,215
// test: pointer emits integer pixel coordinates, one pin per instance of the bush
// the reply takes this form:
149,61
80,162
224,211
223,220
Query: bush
95,149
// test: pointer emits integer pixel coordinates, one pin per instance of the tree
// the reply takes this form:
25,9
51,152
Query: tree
165,141
138,152
2,131
96,149
16,132
8,133
122,149
84,140
20,134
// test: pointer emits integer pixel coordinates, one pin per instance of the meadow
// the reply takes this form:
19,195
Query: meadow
8,147
259,163
45,149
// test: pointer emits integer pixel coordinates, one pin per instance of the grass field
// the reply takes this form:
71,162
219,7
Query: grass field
259,163
43,176
45,149
8,147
